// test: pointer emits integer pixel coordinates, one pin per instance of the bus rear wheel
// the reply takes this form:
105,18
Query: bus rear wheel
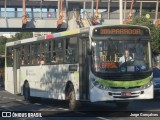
122,105
26,91
72,101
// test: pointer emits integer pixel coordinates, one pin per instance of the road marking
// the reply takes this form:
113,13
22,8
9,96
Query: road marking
37,104
112,114
63,109
11,98
26,103
5,107
18,100
80,112
43,109
102,118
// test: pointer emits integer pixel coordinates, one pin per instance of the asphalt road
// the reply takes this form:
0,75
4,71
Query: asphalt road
53,109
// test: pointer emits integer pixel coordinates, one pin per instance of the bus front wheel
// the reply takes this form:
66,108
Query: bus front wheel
122,104
26,91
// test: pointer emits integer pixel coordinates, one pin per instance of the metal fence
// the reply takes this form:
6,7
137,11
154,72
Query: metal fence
18,14
104,15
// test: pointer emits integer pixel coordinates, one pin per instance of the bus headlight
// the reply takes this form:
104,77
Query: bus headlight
147,85
107,88
96,83
103,87
93,80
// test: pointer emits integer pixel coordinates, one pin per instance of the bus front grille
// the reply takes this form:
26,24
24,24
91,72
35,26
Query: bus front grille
125,96
125,88
119,94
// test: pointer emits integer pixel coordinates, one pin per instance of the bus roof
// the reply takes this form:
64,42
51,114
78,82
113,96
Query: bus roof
63,34
50,36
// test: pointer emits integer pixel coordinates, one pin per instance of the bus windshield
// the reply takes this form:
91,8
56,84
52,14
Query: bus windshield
120,55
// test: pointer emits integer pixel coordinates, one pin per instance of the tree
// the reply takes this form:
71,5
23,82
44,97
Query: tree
3,41
155,32
18,36
23,35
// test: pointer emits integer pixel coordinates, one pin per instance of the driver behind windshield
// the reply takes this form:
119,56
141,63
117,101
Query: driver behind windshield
126,57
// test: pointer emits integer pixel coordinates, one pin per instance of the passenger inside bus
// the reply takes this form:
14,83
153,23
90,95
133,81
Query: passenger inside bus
42,59
53,60
22,62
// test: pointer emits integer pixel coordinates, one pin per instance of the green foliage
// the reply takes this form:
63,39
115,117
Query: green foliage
3,41
142,21
23,35
155,40
155,32
18,36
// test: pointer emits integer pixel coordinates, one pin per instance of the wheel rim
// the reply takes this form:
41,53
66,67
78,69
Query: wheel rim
72,100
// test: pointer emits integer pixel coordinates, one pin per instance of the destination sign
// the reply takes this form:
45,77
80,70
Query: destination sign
120,30
111,65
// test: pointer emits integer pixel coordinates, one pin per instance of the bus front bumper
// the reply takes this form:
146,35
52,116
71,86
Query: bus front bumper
97,94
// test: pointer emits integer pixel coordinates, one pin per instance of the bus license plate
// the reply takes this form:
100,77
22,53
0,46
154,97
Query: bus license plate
126,93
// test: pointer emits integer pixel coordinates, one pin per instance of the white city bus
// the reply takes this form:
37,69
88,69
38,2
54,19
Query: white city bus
82,64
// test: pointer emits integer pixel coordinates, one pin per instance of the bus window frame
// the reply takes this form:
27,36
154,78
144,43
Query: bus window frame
34,53
11,56
52,43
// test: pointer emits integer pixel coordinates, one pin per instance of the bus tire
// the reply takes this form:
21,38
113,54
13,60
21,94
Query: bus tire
122,105
72,100
26,92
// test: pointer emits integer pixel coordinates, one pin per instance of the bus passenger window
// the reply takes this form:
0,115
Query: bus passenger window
71,50
38,59
9,56
69,55
42,59
60,57
22,62
103,56
54,58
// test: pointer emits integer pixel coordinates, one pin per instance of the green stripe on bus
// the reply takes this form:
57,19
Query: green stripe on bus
76,75
76,31
125,84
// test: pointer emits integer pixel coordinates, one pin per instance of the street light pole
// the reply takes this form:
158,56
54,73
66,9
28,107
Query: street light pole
5,5
121,11
41,9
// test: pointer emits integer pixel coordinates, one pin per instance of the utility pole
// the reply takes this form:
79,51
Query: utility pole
121,11
41,9
5,5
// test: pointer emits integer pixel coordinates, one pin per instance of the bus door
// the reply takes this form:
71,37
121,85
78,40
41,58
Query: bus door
16,69
83,68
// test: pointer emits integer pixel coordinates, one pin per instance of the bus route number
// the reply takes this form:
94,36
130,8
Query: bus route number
109,65
120,31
